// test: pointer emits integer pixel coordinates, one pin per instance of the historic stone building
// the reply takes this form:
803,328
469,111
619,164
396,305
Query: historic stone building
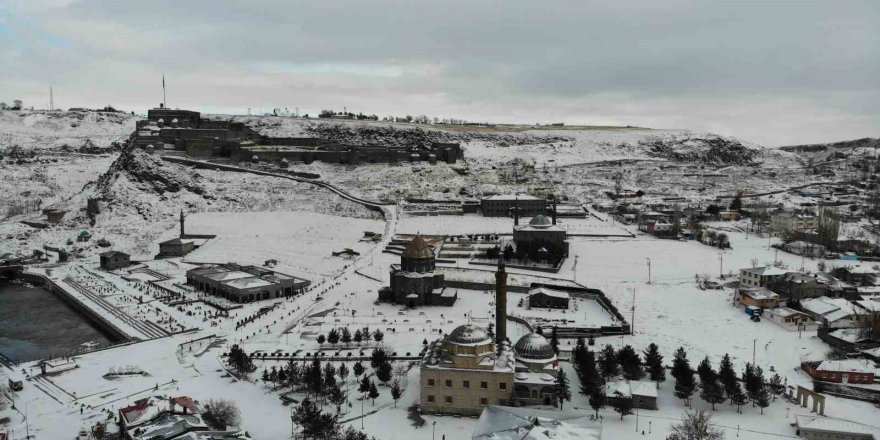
112,260
536,370
541,233
505,205
243,284
463,373
414,282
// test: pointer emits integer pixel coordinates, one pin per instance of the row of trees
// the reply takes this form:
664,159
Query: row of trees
16,105
344,336
724,384
316,424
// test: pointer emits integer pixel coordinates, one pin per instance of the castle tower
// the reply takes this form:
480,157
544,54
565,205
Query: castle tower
500,304
182,233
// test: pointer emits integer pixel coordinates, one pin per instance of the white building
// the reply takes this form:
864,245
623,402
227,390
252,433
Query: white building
791,320
827,428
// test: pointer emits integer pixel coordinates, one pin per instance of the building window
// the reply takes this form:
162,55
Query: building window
466,384
449,399
502,386
484,385
448,383
430,382
430,399
484,401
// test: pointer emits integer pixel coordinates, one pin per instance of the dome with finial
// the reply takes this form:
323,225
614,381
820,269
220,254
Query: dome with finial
469,334
540,221
418,248
534,347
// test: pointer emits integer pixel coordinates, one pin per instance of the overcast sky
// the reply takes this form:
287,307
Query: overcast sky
769,72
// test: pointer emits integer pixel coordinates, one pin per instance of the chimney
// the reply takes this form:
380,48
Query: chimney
500,304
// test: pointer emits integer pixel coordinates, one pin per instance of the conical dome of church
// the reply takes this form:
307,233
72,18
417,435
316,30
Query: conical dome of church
418,248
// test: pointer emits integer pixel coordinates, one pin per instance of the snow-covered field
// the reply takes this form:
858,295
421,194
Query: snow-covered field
258,218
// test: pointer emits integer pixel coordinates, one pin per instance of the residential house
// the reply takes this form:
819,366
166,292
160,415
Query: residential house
859,371
760,297
834,313
859,274
798,286
765,276
728,216
643,394
787,222
827,428
800,247
791,320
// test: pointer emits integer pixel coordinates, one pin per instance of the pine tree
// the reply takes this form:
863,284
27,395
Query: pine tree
345,336
685,385
396,392
378,357
554,340
373,392
358,337
333,336
680,363
622,405
321,339
358,369
608,362
342,371
378,336
654,363
364,386
265,375
737,397
630,363
597,400
712,392
705,371
776,386
589,374
384,372
727,376
329,376
561,390
762,397
753,379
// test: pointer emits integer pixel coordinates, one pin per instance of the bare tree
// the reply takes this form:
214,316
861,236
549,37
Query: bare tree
697,425
222,413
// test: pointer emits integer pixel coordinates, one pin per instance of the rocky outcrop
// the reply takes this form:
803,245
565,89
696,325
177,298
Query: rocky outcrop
149,173
417,137
709,150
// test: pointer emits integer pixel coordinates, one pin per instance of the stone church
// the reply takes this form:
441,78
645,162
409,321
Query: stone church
414,282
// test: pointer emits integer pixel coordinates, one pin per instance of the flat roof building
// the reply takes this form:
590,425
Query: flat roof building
243,284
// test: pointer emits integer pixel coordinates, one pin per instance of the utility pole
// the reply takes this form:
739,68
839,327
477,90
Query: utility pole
632,324
721,265
754,343
649,269
51,100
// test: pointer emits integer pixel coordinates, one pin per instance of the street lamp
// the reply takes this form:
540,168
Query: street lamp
27,422
433,429
649,269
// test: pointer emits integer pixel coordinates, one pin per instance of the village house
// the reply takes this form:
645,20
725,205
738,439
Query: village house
788,222
760,297
859,274
112,260
729,216
798,286
643,394
506,423
833,313
809,250
859,371
791,320
828,428
765,276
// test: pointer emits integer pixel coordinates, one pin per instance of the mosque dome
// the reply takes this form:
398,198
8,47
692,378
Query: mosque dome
418,248
540,221
469,334
534,347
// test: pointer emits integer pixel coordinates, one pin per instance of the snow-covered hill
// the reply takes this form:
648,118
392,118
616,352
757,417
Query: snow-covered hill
32,129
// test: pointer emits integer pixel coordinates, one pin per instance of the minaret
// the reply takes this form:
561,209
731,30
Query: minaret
500,304
516,211
182,234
